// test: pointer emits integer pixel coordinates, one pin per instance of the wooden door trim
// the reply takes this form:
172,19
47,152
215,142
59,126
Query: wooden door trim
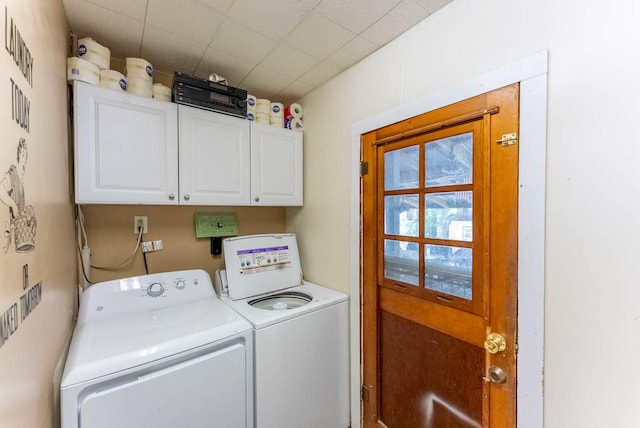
469,117
369,273
432,315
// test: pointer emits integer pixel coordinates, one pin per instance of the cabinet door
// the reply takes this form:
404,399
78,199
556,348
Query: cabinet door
214,158
276,166
126,147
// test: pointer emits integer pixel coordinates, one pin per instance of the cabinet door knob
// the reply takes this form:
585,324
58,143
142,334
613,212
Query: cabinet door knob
172,197
187,197
257,199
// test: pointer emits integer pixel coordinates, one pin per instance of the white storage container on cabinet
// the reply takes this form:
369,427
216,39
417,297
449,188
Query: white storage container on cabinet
276,166
126,147
214,158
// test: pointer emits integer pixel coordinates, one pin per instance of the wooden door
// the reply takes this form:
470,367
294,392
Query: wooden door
439,267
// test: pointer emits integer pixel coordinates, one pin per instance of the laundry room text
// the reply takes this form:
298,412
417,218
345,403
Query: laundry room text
20,54
16,313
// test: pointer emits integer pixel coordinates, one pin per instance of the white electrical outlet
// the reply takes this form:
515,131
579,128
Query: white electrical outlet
139,221
149,246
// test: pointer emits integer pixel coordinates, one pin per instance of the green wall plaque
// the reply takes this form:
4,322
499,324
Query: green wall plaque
215,224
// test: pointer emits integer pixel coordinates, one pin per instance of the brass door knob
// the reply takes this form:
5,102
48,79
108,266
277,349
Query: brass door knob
495,343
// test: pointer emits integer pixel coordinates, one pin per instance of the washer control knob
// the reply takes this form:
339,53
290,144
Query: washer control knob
180,284
155,289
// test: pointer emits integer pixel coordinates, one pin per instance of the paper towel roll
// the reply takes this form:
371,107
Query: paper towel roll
161,92
85,71
263,118
263,105
277,121
251,103
295,110
295,124
94,52
139,67
277,109
113,79
139,86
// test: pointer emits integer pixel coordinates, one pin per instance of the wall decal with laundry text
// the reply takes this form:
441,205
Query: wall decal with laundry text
11,317
20,229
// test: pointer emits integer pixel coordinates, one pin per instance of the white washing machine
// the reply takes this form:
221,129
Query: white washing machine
159,351
301,333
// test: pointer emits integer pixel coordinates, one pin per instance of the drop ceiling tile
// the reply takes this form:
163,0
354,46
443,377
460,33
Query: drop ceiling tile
186,18
353,52
264,83
228,66
404,16
355,15
168,52
321,73
294,92
135,9
98,23
242,42
319,36
273,18
433,5
289,61
222,6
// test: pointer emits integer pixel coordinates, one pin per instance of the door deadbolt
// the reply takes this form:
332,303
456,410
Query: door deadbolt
497,375
495,343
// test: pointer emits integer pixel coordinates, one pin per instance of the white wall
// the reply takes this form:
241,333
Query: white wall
592,301
30,356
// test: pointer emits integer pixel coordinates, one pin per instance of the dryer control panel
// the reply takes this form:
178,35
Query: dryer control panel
144,293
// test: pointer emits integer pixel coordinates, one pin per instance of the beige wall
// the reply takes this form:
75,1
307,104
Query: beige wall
29,357
111,238
592,298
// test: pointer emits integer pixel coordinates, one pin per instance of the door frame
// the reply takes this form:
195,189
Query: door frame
531,72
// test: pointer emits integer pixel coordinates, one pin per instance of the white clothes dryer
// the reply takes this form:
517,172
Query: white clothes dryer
300,330
158,351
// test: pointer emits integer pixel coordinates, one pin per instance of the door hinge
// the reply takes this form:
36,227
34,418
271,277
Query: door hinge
508,139
364,168
364,393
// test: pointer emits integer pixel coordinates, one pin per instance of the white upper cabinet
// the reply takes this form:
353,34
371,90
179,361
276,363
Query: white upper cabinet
135,150
126,149
276,166
214,158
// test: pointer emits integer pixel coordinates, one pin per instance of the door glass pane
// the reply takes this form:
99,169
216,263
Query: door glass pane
449,215
449,160
401,168
401,261
401,215
448,270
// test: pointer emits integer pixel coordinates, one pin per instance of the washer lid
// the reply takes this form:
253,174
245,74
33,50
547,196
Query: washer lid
259,264
104,347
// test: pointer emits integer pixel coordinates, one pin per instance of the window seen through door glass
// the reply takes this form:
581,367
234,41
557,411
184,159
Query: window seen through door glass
449,215
401,168
448,270
449,160
401,215
401,261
